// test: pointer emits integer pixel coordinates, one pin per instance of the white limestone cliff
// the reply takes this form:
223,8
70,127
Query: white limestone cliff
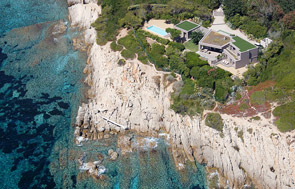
138,97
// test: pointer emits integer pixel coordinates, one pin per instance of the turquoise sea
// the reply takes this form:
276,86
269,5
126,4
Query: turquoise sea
41,87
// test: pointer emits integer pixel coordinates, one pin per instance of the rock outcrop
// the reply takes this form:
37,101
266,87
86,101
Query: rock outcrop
137,97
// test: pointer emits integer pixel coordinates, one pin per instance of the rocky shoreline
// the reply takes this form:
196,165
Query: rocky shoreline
136,97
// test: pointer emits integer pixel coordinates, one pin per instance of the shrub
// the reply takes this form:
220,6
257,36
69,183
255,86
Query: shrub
197,36
130,43
250,130
255,118
222,88
195,72
193,59
240,135
244,107
143,59
206,24
128,54
179,46
162,41
258,98
130,20
121,62
238,96
115,46
173,32
154,37
214,120
289,20
158,49
286,121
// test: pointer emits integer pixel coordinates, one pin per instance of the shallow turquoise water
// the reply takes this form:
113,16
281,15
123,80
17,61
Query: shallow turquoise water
40,90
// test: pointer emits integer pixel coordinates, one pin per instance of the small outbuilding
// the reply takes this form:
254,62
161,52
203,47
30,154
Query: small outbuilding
186,27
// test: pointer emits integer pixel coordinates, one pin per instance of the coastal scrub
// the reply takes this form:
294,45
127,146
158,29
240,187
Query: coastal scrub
215,121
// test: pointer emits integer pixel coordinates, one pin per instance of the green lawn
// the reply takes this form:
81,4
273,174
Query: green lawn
191,46
242,44
186,25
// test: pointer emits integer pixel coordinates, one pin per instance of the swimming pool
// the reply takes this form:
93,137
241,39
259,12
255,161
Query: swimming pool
157,30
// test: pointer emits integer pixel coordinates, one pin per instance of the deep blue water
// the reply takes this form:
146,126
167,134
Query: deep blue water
41,87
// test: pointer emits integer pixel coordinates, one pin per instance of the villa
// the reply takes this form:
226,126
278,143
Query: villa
230,51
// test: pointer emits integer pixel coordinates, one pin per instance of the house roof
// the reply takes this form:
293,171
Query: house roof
217,39
242,44
187,25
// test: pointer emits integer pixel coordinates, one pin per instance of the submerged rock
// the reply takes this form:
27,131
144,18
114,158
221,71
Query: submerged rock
113,155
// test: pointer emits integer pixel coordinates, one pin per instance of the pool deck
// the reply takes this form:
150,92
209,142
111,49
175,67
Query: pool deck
158,23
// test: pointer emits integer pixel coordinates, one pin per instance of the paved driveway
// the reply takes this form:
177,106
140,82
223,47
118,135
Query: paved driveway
219,24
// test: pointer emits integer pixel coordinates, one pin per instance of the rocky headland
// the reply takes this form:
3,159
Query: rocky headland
136,97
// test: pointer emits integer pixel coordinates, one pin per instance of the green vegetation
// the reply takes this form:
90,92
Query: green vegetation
174,33
127,54
259,17
131,21
289,20
258,98
214,120
244,107
197,36
250,130
278,64
238,96
256,118
286,117
116,47
190,45
121,62
242,44
286,5
253,17
240,135
192,96
133,47
206,24
256,17
186,25
133,14
152,36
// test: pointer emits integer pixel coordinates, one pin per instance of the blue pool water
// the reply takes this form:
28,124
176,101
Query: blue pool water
41,87
157,30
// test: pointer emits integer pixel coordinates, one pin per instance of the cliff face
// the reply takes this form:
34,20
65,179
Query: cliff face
136,96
